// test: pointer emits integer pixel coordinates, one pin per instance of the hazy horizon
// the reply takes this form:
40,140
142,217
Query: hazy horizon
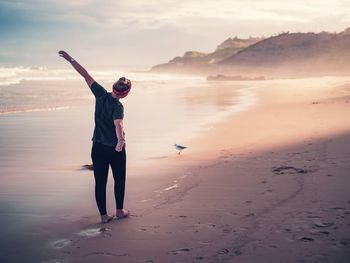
145,33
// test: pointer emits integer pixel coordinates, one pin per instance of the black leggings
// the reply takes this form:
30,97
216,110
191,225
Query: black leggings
102,156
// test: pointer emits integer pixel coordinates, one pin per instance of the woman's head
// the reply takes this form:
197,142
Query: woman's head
121,88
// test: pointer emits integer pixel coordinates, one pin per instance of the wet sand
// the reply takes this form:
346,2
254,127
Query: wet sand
267,185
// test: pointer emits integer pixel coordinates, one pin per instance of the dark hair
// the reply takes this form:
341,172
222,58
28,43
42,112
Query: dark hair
122,85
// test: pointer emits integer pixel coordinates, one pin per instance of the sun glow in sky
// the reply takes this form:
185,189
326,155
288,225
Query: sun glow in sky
147,32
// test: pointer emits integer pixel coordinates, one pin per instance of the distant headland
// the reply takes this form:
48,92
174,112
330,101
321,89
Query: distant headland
286,54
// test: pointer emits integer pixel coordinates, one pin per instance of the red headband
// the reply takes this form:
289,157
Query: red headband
122,86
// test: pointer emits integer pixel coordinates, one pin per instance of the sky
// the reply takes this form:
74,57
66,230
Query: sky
148,32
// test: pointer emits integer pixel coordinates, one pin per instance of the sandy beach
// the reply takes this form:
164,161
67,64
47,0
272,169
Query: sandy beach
258,92
255,93
269,184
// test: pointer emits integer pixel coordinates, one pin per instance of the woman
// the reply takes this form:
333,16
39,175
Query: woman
108,147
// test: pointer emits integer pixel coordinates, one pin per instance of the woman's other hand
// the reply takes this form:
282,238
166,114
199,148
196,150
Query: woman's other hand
120,145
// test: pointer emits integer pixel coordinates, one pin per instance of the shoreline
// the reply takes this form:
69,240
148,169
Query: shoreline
243,197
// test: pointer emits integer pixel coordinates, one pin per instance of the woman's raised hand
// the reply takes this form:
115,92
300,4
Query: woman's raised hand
65,55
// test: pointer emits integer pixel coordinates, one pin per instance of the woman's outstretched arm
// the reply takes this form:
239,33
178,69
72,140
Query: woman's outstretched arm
89,80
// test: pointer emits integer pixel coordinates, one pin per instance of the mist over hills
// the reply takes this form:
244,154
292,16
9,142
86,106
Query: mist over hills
291,54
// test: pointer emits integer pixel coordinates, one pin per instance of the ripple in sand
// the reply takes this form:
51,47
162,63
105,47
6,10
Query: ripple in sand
180,250
167,189
156,157
92,232
185,175
53,261
306,239
338,208
171,187
345,242
60,243
289,170
319,223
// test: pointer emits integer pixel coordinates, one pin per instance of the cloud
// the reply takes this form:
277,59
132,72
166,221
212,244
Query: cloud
151,14
153,30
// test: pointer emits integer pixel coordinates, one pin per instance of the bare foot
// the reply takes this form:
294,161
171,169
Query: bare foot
106,218
121,213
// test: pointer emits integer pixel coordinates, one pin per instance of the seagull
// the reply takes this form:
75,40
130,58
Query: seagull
179,147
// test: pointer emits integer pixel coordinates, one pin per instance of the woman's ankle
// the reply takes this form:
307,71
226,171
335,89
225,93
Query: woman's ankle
122,212
106,218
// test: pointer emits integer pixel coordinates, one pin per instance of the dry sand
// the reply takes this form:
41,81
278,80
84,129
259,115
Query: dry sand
270,184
